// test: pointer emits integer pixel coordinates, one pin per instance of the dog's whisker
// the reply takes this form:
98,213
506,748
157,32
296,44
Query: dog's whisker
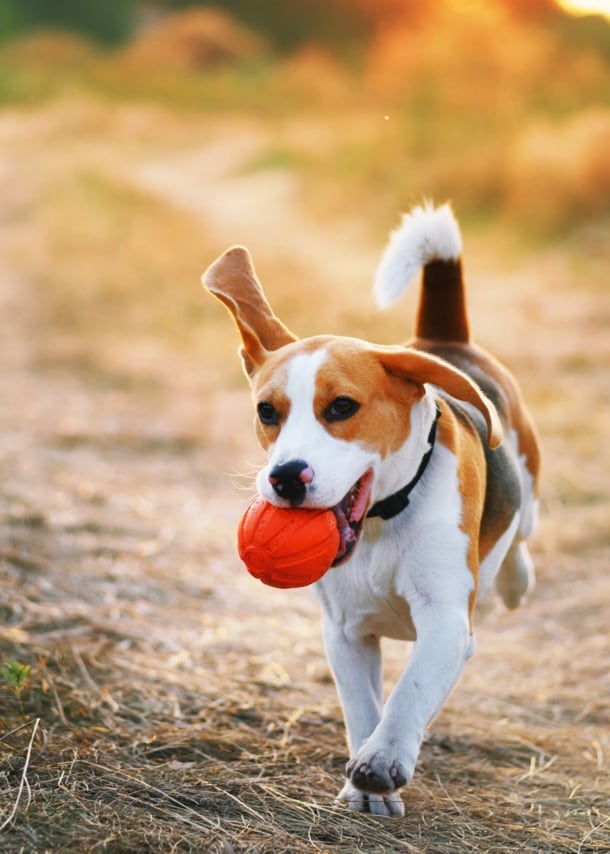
250,488
252,469
244,481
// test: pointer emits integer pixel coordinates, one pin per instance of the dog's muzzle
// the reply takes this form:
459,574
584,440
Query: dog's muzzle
289,480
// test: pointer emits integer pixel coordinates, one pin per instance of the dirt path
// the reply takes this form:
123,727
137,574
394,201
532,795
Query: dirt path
112,489
260,208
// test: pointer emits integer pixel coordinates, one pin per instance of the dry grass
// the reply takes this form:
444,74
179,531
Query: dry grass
517,127
560,171
173,703
192,39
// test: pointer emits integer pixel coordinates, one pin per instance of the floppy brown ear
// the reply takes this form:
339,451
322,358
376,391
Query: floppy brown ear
425,368
233,280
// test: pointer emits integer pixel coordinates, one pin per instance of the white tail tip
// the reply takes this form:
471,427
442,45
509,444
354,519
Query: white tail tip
425,234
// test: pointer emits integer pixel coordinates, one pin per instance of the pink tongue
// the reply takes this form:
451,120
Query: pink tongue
357,511
345,532
362,499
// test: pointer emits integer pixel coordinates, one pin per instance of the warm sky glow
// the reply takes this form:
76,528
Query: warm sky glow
585,7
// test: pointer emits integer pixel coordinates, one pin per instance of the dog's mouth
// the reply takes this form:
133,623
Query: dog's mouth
350,513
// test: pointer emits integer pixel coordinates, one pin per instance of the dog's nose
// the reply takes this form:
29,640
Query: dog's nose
289,480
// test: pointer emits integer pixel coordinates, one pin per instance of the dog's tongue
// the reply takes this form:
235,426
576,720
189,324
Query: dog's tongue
346,534
350,512
361,501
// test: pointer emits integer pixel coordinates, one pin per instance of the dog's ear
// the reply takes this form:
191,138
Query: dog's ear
233,280
425,368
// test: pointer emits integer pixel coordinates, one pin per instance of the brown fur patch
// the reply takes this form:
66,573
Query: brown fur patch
458,433
500,386
441,313
353,369
233,280
382,422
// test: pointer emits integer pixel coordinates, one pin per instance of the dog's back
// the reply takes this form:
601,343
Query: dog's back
429,238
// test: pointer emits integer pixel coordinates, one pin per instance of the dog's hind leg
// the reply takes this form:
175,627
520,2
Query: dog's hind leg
516,576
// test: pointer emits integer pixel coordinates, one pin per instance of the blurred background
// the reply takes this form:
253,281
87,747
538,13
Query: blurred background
501,105
248,118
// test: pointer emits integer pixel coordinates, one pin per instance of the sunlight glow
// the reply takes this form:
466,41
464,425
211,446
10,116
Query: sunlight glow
586,7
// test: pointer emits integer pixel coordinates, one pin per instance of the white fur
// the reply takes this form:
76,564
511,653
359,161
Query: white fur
412,583
303,437
425,234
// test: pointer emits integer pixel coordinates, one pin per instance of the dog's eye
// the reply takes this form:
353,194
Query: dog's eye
267,413
341,408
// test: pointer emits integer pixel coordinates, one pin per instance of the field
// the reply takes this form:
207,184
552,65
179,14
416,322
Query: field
153,696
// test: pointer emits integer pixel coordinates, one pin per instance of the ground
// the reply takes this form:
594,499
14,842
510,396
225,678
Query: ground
173,703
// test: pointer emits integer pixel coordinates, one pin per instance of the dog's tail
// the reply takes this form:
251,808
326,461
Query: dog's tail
427,237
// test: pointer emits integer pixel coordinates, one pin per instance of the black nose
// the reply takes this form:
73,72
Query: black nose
289,480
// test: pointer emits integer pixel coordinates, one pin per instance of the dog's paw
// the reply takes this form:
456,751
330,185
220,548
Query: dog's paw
378,771
390,805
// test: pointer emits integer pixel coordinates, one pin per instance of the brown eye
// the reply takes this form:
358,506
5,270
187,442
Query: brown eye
267,413
341,408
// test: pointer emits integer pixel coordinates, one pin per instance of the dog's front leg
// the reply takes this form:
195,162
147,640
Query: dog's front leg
356,666
387,759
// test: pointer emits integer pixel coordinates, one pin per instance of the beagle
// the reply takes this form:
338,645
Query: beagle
429,460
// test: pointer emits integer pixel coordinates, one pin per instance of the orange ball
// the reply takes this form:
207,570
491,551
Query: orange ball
287,547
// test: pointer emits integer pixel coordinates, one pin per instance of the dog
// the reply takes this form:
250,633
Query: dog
429,460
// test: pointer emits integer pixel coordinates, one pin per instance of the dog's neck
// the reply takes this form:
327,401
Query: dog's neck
394,504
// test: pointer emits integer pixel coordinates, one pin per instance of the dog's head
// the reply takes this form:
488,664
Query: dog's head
344,422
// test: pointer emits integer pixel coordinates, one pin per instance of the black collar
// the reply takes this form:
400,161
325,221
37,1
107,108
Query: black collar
394,504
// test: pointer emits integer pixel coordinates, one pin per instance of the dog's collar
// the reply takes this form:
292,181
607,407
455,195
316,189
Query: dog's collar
394,504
